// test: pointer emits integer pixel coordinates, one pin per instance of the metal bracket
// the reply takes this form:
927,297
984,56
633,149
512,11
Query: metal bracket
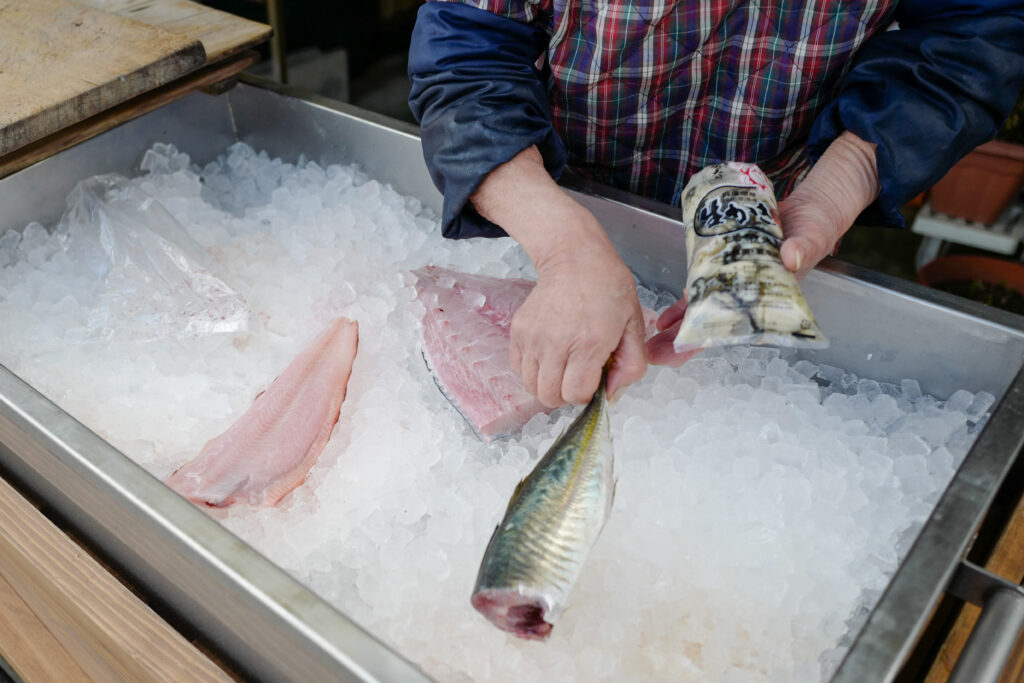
221,87
1002,618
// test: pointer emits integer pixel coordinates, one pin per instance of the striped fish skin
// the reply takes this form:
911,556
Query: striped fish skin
552,521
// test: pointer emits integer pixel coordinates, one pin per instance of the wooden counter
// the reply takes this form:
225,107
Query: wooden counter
64,617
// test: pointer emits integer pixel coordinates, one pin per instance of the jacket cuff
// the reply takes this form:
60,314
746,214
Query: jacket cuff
480,99
927,96
885,210
459,218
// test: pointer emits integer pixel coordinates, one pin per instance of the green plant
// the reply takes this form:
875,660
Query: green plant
1013,128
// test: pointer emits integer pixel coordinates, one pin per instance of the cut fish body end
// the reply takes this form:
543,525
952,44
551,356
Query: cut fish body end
521,614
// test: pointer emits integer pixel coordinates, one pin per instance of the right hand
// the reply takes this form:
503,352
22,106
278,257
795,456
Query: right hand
584,308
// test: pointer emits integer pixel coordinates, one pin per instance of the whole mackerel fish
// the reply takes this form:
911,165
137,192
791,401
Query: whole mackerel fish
553,519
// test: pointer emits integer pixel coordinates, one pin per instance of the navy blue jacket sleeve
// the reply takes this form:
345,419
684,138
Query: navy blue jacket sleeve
480,100
928,93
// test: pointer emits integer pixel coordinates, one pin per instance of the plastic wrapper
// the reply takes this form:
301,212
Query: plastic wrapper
738,290
157,278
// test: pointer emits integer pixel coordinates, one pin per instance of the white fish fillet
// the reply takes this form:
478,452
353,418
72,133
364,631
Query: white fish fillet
466,344
466,338
271,448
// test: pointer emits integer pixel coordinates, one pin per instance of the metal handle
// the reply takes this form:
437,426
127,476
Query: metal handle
1002,618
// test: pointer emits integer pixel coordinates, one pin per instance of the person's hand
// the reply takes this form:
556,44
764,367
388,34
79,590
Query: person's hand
660,350
584,308
825,204
813,219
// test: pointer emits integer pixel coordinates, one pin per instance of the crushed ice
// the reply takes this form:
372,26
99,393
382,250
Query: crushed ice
763,501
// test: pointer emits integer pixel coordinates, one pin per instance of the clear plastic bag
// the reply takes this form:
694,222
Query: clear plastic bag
738,290
157,279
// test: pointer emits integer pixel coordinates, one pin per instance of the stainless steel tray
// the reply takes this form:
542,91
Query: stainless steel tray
270,626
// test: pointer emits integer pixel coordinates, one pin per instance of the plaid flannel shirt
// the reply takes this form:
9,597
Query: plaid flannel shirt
641,94
646,93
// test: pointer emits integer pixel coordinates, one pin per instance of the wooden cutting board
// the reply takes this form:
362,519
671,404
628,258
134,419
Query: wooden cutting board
61,62
222,34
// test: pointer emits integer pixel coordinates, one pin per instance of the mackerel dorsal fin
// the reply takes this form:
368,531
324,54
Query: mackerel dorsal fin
518,490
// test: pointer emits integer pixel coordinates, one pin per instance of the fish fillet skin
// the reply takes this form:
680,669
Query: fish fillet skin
269,450
466,340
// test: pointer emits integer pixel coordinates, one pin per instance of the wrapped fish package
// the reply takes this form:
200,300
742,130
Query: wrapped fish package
739,291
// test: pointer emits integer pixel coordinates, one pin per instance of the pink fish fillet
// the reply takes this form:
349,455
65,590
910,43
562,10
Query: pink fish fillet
271,448
466,339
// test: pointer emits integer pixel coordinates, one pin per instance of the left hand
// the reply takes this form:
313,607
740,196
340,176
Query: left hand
814,217
825,204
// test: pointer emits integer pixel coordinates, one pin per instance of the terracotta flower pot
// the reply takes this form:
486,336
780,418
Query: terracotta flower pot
982,184
970,269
